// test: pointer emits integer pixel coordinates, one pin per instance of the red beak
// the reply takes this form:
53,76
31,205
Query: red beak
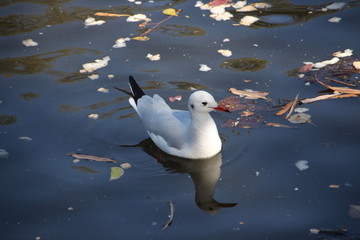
221,108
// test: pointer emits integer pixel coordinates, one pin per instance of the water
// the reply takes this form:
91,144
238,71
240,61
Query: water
44,97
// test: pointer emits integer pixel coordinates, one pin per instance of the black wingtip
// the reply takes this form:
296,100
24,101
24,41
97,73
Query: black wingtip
137,92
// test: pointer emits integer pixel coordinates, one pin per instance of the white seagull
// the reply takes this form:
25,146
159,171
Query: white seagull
188,134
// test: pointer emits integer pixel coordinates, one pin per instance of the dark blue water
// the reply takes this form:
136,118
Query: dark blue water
44,97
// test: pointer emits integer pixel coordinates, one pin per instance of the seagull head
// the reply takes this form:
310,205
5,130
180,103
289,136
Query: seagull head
201,101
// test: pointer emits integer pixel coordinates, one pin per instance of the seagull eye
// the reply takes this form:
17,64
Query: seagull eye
204,103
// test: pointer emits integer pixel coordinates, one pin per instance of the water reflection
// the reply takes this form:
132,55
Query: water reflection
181,30
244,64
40,63
284,13
205,174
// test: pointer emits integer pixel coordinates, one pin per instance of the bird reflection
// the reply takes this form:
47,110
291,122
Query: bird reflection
205,173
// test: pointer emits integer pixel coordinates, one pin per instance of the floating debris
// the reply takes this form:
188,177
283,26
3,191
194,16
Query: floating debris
29,43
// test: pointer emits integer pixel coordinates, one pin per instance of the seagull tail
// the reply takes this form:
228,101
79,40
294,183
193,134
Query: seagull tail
136,91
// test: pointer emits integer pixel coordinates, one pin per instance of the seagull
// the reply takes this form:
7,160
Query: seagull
188,134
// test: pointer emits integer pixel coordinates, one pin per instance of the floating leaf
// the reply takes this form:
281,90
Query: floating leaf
293,105
141,38
116,173
171,215
347,53
232,103
271,124
99,63
321,97
92,157
170,11
93,116
249,94
339,89
284,109
29,43
302,165
103,14
28,139
300,118
356,64
354,211
90,21
155,57
3,153
125,165
225,52
176,98
137,18
204,68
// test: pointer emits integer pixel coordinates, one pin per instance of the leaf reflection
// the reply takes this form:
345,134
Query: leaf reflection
181,30
244,64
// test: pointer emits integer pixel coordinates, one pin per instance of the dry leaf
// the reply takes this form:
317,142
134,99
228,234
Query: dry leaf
293,105
302,165
93,116
356,64
90,21
321,97
248,8
247,113
204,68
176,98
285,108
249,94
171,12
300,118
103,90
103,14
271,124
137,18
262,5
29,43
141,38
347,53
125,165
99,63
171,215
91,157
225,52
121,42
155,57
248,20
306,68
339,89
354,211
334,20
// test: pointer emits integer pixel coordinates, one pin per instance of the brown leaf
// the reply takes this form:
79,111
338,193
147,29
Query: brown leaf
103,14
271,124
247,113
294,103
321,97
232,103
91,157
249,94
285,108
339,89
306,68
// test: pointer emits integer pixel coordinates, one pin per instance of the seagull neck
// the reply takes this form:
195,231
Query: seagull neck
202,125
